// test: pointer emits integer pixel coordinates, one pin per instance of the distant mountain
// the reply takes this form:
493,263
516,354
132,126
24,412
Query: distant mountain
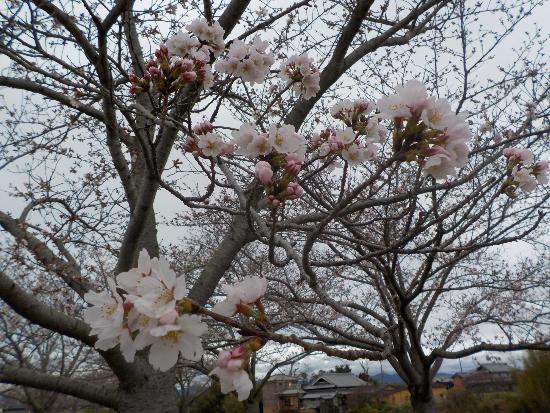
387,378
393,378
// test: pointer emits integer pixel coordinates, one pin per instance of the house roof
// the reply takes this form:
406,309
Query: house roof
290,392
284,377
331,380
318,395
495,367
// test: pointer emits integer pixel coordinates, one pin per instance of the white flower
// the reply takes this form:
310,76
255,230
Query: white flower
356,154
229,369
393,106
213,34
345,136
157,295
250,62
342,107
519,155
211,144
107,308
459,152
410,98
120,336
435,113
375,133
540,170
261,145
130,280
247,291
106,318
284,139
244,137
414,95
439,164
524,179
182,44
182,337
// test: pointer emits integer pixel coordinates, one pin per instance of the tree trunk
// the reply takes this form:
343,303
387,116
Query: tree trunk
253,406
422,400
152,392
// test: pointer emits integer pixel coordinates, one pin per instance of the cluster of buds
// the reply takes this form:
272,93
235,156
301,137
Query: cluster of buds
523,172
206,143
168,75
278,177
426,130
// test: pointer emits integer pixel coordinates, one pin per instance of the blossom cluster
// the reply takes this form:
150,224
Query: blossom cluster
168,74
357,142
250,62
207,143
282,152
299,72
149,314
427,130
153,311
231,365
182,60
523,172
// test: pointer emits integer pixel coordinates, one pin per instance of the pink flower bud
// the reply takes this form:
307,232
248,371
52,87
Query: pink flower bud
540,167
294,190
203,128
264,173
272,201
190,145
293,163
161,52
154,71
188,77
169,318
133,78
315,141
186,65
238,352
127,305
227,149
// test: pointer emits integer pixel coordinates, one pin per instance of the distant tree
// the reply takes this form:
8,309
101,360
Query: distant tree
366,377
344,368
534,382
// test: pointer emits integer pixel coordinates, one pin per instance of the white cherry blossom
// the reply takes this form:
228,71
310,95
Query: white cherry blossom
250,62
345,136
439,164
107,308
356,154
158,294
248,291
171,340
182,44
230,371
284,139
436,113
211,144
524,179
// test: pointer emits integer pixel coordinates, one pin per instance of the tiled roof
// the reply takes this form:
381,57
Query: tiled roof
336,380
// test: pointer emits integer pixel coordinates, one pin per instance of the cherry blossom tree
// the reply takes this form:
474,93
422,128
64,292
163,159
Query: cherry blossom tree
346,177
